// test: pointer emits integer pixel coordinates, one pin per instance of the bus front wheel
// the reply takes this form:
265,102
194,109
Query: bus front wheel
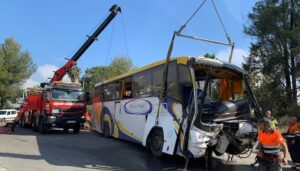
156,142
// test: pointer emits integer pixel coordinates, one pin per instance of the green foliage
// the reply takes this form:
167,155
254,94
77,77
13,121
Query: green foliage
118,66
211,56
15,67
74,73
122,63
274,25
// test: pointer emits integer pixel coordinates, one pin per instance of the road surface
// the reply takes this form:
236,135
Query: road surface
87,151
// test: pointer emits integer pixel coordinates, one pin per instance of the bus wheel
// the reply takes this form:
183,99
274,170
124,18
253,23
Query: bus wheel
106,130
76,129
34,124
42,126
156,142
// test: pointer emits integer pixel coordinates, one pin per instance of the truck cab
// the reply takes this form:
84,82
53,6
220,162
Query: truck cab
62,106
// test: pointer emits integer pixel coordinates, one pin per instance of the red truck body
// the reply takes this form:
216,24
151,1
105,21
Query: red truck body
48,109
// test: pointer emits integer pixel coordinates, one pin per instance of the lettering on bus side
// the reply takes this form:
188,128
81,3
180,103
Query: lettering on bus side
138,107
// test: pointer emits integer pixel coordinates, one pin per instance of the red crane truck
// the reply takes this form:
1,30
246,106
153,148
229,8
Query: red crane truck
60,104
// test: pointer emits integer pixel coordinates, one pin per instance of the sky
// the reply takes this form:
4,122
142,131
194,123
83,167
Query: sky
53,30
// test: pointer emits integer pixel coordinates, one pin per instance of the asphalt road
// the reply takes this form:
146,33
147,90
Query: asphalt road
58,150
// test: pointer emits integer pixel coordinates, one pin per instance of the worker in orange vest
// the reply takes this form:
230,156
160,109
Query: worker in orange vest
88,119
293,140
270,143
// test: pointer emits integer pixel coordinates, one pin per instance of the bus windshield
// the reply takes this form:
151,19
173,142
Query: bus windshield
225,94
67,95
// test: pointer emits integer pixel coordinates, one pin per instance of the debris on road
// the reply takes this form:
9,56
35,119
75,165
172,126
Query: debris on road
6,127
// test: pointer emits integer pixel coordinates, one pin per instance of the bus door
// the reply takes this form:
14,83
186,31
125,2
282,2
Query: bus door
130,123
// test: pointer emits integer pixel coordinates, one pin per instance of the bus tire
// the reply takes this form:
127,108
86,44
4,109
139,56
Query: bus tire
156,142
106,129
42,126
34,124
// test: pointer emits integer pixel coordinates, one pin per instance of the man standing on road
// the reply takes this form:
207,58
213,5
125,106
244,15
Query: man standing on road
270,143
293,140
269,116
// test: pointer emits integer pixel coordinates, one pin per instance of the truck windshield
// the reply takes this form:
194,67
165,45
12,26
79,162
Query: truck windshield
67,95
2,112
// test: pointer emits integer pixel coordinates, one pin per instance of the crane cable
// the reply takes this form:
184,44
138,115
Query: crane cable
186,23
125,37
110,42
226,32
165,72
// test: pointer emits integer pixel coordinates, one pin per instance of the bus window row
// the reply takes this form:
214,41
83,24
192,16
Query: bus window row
146,84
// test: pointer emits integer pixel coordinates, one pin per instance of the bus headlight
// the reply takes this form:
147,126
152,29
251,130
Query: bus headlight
198,137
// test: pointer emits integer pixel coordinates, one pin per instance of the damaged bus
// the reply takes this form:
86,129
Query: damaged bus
208,107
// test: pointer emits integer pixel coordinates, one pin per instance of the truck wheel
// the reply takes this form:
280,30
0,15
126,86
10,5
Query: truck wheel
76,129
22,122
106,130
156,143
66,129
42,126
34,124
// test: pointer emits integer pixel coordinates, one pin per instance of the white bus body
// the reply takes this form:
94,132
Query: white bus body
126,107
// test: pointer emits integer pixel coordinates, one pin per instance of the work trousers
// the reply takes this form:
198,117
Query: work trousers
294,150
266,166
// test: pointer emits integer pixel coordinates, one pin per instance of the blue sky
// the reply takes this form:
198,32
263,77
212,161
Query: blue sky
54,30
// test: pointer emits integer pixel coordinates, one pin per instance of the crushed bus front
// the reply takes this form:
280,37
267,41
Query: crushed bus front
222,107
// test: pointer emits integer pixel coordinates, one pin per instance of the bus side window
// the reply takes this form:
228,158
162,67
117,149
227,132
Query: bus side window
142,84
127,88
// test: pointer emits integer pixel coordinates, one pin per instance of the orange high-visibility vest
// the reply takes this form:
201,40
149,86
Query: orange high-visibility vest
271,143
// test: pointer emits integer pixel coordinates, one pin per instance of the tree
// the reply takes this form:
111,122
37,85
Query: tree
122,63
74,74
274,24
211,56
15,67
118,66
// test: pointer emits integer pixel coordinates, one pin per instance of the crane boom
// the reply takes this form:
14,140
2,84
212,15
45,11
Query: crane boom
61,72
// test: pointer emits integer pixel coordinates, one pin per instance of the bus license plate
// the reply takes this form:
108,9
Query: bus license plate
71,121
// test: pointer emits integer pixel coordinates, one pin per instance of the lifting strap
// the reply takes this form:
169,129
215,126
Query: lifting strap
178,33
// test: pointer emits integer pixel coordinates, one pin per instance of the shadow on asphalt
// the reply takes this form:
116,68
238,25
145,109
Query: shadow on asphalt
89,150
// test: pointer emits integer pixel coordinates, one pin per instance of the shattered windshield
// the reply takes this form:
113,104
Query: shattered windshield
223,84
225,94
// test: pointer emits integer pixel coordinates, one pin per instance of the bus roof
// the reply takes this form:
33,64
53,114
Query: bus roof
180,60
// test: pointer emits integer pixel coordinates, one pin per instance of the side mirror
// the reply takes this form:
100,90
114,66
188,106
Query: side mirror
87,96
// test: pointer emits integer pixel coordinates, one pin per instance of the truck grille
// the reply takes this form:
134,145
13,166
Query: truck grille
70,110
